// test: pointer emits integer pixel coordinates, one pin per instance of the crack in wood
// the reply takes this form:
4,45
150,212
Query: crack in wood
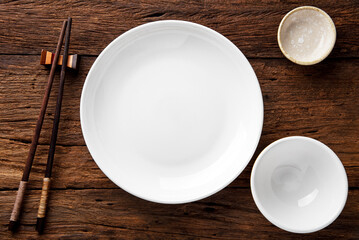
25,141
118,188
148,230
155,15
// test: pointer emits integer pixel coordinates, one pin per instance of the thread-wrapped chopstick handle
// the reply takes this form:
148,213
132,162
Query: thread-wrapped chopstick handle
41,213
14,219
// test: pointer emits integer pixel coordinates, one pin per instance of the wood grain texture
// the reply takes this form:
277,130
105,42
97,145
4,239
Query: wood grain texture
229,214
320,101
251,25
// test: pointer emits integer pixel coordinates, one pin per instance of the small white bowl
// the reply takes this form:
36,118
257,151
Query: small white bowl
299,184
306,35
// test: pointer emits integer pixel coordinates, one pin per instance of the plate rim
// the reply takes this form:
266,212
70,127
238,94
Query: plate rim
179,23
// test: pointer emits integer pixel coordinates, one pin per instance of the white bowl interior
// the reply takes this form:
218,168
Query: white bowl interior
299,184
307,35
171,111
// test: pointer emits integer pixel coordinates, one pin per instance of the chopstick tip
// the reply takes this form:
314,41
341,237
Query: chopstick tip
40,222
13,225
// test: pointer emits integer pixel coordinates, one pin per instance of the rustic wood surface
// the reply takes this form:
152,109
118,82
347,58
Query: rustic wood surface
320,101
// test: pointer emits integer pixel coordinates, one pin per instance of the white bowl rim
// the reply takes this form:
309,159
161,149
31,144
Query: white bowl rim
272,219
179,22
329,50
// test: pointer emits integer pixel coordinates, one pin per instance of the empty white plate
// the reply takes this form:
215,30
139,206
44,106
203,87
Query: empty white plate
171,111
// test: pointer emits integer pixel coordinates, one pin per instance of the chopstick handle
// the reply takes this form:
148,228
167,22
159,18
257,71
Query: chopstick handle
14,219
41,213
46,184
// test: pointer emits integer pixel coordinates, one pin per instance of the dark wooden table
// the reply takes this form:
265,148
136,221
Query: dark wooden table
320,101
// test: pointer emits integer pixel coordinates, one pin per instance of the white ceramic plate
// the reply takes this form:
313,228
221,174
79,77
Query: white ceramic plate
171,111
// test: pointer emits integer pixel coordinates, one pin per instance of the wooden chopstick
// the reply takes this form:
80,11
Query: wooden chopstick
14,219
41,214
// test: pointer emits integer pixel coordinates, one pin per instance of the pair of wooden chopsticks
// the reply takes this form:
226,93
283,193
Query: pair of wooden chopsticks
14,219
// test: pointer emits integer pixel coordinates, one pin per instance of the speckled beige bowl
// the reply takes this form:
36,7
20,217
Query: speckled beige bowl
306,35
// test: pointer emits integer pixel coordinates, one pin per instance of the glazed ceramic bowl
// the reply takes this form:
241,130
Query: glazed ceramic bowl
299,184
306,35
